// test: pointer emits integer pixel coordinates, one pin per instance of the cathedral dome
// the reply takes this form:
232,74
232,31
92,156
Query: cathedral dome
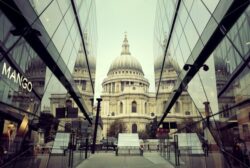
36,65
220,64
81,61
170,63
126,60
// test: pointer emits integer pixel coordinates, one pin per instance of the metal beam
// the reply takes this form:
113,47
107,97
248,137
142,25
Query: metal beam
168,42
83,42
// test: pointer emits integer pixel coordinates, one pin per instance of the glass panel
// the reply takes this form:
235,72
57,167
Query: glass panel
49,19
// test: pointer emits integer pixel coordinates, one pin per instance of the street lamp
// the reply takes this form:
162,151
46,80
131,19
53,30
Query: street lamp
107,131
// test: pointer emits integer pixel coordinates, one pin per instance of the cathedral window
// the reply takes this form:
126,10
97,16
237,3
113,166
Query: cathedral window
134,128
122,86
113,87
109,88
83,85
177,107
121,108
163,106
134,107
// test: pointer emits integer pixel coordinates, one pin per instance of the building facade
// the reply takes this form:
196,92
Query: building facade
126,96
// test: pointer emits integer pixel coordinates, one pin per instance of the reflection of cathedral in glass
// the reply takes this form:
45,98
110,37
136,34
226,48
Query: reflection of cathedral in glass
222,76
35,72
126,95
81,77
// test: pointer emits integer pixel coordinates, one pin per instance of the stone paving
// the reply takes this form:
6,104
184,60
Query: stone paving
109,160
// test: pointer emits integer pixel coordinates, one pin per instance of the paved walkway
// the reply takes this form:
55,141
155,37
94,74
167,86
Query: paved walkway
109,160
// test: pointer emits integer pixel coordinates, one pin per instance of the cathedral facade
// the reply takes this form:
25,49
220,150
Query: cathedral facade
126,97
125,93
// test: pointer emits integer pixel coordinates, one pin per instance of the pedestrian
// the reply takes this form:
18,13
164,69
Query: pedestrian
141,150
238,154
1,155
205,147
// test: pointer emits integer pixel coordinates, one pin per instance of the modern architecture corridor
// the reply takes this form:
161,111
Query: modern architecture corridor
109,160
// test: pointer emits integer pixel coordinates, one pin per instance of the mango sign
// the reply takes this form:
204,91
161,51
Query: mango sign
16,77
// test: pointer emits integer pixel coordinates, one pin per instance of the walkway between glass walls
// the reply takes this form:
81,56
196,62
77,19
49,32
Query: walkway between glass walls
110,160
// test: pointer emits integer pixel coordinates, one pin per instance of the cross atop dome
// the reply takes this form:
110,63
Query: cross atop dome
125,46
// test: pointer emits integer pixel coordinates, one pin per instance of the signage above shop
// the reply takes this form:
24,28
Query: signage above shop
16,77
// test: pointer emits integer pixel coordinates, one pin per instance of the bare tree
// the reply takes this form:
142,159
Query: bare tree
117,127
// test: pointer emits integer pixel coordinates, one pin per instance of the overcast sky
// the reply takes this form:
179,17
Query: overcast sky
114,18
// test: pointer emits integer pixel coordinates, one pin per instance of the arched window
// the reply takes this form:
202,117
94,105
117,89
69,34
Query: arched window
134,107
84,84
177,107
113,114
145,106
134,128
121,108
163,105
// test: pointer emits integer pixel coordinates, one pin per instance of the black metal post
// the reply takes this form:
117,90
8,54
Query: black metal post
73,148
70,149
86,148
107,133
207,113
96,123
176,150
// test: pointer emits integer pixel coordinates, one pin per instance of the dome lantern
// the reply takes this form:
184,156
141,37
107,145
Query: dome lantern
125,60
125,46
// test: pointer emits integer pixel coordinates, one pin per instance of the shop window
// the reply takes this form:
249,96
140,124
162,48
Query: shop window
245,130
173,125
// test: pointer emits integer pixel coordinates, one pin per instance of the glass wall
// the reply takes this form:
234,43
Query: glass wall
213,104
33,83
